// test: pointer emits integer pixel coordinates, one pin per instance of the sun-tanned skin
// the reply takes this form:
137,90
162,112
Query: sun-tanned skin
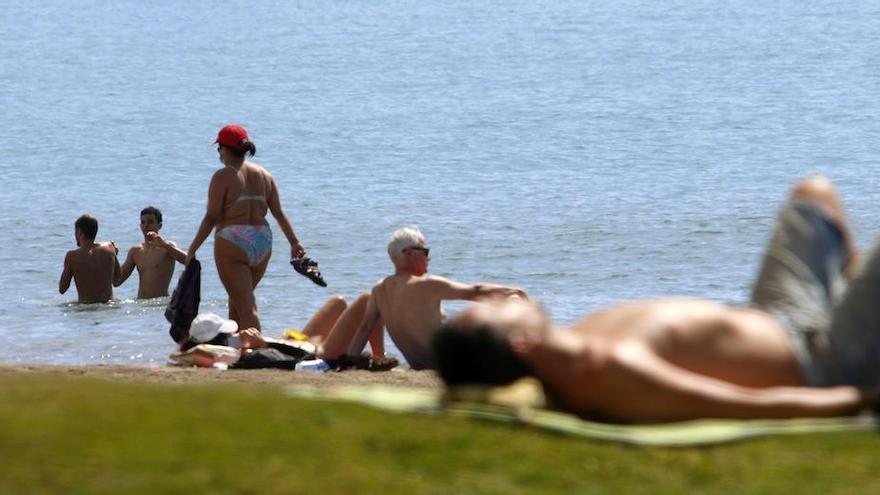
154,259
408,304
93,267
675,359
656,361
238,277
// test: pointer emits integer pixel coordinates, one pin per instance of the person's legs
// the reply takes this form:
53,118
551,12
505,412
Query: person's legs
321,323
854,339
233,315
260,270
822,192
237,278
802,274
343,331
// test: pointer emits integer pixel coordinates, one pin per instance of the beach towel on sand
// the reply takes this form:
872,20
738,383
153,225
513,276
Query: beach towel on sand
279,354
523,404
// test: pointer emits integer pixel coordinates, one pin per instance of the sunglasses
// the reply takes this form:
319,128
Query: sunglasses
425,250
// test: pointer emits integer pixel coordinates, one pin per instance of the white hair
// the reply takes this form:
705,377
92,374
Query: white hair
403,238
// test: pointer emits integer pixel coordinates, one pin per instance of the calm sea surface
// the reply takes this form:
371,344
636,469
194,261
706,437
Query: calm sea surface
586,151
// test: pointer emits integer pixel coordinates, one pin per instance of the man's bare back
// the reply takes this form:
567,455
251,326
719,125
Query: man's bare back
92,265
92,268
410,306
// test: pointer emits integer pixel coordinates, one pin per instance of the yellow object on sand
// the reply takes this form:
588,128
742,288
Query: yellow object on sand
294,334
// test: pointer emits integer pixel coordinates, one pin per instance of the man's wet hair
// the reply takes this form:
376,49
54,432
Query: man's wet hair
476,354
152,210
88,225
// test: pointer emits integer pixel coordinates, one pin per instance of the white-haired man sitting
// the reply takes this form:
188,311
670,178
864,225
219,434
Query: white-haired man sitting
408,303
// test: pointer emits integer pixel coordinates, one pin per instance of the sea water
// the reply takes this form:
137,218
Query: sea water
587,151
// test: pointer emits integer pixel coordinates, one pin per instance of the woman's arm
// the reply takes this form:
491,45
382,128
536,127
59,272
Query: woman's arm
274,202
216,191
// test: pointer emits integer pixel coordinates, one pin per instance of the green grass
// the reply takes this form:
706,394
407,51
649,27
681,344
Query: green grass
75,435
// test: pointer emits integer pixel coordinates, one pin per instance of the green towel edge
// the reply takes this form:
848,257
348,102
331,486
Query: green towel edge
683,434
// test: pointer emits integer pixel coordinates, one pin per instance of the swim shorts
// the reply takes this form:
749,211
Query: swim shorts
800,282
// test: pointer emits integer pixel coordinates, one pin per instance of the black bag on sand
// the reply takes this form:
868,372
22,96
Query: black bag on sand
265,358
279,355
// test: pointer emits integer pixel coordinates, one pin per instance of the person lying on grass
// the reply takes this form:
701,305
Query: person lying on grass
808,345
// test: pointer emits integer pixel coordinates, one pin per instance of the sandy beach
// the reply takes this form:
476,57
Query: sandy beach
180,375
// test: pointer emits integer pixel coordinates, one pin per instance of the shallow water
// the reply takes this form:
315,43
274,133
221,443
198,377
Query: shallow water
586,151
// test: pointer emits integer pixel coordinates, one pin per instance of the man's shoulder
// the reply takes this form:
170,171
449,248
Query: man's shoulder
224,174
382,282
433,280
256,167
107,249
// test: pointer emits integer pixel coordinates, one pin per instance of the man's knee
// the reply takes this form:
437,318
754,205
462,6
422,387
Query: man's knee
336,302
818,189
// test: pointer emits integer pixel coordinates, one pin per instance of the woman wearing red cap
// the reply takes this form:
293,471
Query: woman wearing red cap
239,196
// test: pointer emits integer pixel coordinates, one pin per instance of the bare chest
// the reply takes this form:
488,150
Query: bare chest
152,258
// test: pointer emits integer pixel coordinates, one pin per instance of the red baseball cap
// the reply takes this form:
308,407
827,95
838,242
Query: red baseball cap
232,136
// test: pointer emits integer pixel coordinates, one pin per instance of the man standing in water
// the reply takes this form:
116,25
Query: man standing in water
92,266
408,303
154,258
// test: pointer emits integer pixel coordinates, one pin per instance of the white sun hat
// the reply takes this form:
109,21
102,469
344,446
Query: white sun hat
206,326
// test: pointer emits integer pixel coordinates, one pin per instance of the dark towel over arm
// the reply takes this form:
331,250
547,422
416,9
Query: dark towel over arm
184,305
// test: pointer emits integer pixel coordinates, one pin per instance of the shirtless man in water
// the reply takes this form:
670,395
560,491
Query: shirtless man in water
805,347
407,303
154,258
92,266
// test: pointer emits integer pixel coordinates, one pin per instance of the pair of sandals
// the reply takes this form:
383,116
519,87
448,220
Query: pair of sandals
362,362
308,268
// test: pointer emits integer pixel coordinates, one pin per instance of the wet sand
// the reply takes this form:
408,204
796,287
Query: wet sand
180,375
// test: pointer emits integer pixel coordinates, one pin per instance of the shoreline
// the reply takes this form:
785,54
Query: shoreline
174,375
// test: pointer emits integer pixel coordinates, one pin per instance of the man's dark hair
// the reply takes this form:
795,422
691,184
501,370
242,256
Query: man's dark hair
88,225
476,354
152,210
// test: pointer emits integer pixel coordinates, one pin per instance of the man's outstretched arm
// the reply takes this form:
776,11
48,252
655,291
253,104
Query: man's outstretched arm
642,387
126,269
450,289
175,252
